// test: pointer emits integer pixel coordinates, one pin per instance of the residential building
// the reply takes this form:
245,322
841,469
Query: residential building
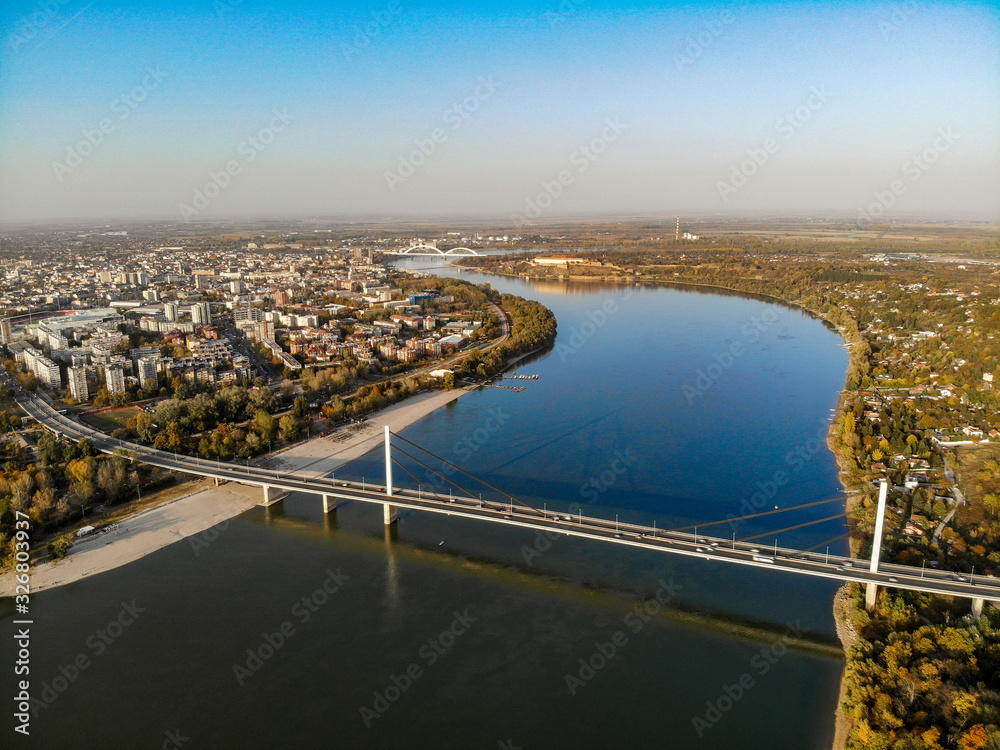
201,313
114,376
146,367
251,314
43,368
78,386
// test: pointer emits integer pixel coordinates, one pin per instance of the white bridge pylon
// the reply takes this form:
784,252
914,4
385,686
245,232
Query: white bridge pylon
431,250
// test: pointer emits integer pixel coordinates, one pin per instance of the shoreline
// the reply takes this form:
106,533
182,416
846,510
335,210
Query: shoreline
152,529
353,441
843,724
350,444
841,602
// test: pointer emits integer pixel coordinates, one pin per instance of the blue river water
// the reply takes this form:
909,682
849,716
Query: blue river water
288,629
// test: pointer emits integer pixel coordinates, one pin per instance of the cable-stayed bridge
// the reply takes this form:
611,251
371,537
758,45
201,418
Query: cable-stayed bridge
511,511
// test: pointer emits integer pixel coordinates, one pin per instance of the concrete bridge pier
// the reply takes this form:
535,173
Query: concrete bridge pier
329,503
272,495
977,607
871,591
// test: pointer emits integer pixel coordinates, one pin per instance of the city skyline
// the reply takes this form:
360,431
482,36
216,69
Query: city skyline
526,112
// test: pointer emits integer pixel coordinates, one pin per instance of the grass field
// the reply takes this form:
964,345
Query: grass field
108,421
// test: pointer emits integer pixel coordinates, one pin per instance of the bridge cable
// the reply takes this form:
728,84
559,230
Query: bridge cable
457,468
356,471
422,484
442,498
792,528
473,476
401,466
755,515
417,479
828,541
841,536
469,492
417,460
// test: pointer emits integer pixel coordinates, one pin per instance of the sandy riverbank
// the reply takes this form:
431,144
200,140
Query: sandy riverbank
150,530
322,456
139,535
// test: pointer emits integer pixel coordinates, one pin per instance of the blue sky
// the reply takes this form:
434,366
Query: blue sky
775,108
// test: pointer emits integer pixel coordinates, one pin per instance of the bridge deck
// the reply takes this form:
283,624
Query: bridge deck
551,522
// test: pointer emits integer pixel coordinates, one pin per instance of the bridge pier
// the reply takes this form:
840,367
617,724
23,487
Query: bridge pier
329,503
871,589
977,607
389,512
272,495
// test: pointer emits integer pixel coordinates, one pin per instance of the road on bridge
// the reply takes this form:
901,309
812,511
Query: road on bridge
775,558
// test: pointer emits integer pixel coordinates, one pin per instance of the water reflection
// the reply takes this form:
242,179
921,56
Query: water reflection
275,510
391,571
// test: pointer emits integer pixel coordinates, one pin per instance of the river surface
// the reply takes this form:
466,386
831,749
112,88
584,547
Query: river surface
677,405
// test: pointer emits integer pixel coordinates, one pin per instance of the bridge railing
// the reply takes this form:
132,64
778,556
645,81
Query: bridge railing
545,517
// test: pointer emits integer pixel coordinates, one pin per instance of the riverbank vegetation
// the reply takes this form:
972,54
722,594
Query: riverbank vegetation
241,421
61,483
921,411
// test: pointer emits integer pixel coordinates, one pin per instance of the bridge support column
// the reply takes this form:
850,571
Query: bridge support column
389,512
329,503
272,495
872,589
977,607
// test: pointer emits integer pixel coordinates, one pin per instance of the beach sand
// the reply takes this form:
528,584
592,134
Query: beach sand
321,456
155,528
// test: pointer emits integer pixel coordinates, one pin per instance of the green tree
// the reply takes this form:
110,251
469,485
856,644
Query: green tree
59,546
49,449
112,477
334,411
267,428
143,425
262,400
83,490
300,408
290,427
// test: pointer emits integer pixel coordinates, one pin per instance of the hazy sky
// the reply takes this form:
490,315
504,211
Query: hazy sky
509,109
